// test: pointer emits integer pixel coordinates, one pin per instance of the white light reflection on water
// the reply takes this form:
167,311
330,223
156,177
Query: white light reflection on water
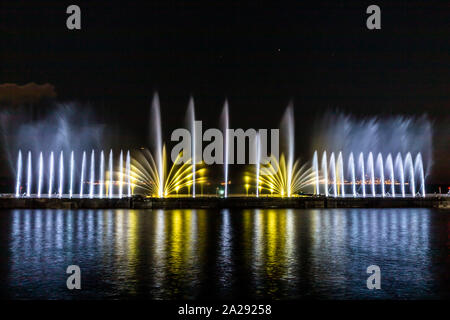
168,254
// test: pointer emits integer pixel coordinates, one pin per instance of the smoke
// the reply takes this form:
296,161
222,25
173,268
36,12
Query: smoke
386,134
65,127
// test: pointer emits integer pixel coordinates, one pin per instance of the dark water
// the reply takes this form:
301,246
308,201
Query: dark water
189,254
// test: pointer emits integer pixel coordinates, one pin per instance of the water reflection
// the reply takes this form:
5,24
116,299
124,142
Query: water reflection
188,254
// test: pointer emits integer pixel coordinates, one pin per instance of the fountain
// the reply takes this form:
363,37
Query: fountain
401,169
72,165
225,127
351,166
61,174
111,174
191,120
83,169
316,172
19,173
333,173
40,175
50,176
121,174
102,174
92,175
156,135
325,172
29,175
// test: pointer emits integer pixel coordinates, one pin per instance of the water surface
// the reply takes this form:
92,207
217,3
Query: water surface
228,254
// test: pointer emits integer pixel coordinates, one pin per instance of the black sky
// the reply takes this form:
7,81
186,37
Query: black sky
258,55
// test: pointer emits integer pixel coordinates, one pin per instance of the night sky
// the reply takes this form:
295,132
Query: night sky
258,55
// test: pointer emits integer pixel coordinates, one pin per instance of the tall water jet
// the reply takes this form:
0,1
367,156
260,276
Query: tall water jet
351,167
29,179
409,168
102,174
418,168
61,174
92,176
156,137
390,167
83,169
128,174
380,167
258,161
371,169
51,175
111,174
333,173
121,174
288,125
191,121
72,165
19,173
363,173
401,172
325,172
225,126
340,169
40,174
316,172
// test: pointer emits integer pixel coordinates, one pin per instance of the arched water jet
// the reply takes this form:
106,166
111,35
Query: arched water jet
325,172
340,168
380,167
401,172
390,167
333,173
40,174
316,172
351,167
409,168
50,177
418,168
92,176
61,174
19,173
363,173
370,167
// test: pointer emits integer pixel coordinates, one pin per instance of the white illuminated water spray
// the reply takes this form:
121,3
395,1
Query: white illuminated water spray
390,167
40,174
325,172
340,168
225,123
83,170
363,173
191,115
51,175
29,179
72,164
128,174
102,174
92,176
372,172
333,173
61,174
380,166
121,174
316,172
111,174
351,165
19,173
